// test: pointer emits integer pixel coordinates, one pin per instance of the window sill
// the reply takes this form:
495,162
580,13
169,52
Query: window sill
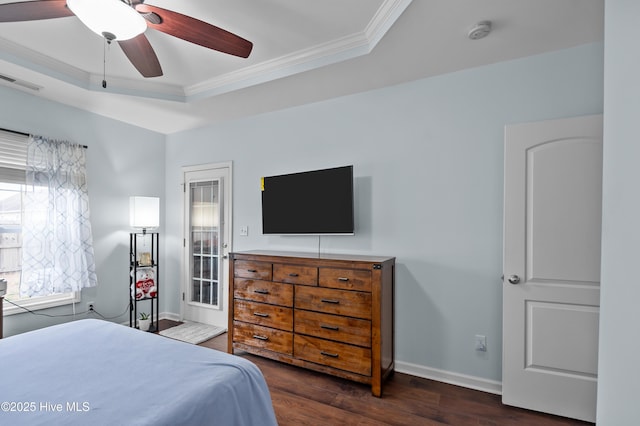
38,303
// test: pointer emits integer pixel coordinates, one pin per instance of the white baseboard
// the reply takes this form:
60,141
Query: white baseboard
471,382
163,315
170,316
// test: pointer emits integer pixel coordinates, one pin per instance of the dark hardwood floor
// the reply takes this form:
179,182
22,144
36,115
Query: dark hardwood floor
302,397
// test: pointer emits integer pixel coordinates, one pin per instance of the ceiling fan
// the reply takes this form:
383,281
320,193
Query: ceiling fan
137,49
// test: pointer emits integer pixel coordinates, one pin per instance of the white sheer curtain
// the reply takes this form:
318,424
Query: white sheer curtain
57,245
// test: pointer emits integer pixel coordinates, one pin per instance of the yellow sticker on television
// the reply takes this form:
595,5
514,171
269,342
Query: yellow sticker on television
261,184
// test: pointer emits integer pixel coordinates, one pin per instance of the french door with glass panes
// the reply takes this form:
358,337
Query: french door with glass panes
207,200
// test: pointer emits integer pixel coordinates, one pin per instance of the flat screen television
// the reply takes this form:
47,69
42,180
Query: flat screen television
314,202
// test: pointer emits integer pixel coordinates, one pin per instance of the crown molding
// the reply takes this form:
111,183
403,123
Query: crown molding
334,51
20,55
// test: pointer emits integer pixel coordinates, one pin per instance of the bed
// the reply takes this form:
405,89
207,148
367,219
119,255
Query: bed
97,372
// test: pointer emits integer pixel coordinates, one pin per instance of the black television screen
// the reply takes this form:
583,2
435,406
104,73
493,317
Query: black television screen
313,202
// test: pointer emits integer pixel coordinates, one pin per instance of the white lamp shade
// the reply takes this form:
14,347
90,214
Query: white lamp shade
110,17
144,212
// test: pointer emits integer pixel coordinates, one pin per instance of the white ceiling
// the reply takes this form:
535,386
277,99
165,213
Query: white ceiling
304,51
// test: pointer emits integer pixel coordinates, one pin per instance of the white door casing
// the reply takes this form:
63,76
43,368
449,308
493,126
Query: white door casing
551,289
207,242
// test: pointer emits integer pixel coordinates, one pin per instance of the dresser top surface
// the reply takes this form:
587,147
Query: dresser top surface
316,256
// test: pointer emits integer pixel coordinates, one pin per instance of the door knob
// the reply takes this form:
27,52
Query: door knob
514,279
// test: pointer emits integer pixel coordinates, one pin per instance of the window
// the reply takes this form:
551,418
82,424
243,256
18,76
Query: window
13,154
11,236
205,244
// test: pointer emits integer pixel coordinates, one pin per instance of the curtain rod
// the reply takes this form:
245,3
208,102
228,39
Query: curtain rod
26,134
14,131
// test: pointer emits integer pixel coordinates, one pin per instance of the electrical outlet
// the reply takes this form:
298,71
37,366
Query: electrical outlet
244,231
481,343
91,306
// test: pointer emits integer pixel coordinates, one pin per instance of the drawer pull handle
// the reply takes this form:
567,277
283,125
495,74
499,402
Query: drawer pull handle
293,274
343,279
329,327
332,301
261,291
253,271
257,336
260,314
329,354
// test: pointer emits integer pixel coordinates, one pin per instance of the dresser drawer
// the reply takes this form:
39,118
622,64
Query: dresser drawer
333,327
295,274
336,355
346,279
328,313
263,291
339,302
263,337
263,314
252,269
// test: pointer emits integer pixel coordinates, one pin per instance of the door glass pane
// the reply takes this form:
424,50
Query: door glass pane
197,242
197,263
214,271
205,237
206,268
196,290
213,238
206,292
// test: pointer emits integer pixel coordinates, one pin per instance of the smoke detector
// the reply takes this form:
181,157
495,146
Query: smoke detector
480,30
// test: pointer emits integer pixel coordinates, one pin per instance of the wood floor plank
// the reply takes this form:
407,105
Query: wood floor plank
294,410
303,397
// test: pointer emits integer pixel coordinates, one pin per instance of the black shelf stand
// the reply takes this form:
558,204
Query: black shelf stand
143,256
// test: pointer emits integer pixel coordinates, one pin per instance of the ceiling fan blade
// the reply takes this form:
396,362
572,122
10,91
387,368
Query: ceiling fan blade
142,55
34,10
196,31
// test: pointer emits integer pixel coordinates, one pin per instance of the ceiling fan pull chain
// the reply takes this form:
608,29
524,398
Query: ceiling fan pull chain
108,38
104,63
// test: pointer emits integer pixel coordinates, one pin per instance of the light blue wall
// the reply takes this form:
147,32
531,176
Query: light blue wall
428,164
619,369
122,160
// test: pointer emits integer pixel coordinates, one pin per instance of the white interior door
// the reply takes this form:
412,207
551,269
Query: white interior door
551,289
207,205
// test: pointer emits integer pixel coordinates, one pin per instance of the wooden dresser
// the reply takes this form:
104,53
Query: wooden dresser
329,313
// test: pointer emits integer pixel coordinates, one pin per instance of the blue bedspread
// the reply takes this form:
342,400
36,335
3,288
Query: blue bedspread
93,372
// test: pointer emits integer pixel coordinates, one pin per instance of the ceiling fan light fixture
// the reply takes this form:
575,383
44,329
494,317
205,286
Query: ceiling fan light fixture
109,17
